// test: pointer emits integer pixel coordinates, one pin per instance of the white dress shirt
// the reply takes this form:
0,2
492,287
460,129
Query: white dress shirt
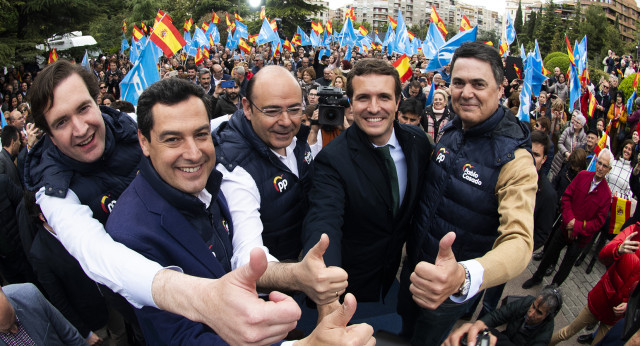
399,160
243,199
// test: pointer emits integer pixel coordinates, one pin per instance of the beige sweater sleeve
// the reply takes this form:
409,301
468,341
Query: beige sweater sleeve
516,192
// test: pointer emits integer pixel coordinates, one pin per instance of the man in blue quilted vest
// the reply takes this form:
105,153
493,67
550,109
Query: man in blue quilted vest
477,203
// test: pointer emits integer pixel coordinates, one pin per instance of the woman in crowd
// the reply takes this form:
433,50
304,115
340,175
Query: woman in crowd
560,88
437,115
618,177
617,116
541,106
107,100
308,79
558,120
572,137
340,82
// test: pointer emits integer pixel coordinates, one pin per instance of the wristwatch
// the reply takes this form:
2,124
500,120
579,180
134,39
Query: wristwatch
464,288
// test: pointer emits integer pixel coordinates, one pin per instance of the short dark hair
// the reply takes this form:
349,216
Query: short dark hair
10,133
541,138
414,84
551,298
191,67
123,106
167,92
373,66
481,51
410,105
545,123
40,95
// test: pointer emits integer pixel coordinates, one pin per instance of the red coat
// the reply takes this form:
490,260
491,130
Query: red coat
617,283
590,209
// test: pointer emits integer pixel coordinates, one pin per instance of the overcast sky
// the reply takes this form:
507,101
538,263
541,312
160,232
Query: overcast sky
496,5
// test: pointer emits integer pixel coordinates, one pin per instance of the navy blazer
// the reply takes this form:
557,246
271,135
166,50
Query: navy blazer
44,324
144,222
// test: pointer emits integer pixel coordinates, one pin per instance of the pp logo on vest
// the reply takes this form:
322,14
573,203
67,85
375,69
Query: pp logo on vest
441,155
469,174
225,224
107,203
280,183
308,157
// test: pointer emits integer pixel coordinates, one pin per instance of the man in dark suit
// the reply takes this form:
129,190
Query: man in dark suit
362,196
27,318
10,149
174,213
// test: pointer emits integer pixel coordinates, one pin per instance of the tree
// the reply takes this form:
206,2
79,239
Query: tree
518,21
295,12
530,29
550,23
488,35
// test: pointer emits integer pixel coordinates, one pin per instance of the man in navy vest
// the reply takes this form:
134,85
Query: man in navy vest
175,213
477,203
87,158
264,159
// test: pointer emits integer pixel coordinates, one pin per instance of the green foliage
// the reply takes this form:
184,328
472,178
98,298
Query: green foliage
517,25
595,73
545,61
294,11
627,86
558,61
490,35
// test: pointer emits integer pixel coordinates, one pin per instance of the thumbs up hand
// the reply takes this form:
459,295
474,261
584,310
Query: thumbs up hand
333,330
432,284
320,283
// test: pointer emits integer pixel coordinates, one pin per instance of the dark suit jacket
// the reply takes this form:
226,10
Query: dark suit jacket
8,167
144,222
44,324
351,201
70,290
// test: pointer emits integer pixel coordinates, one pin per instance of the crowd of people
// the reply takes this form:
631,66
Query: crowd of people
246,213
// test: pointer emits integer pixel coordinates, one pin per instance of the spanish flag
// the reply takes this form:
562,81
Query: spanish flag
393,22
188,24
489,43
570,51
621,210
199,59
252,38
228,22
144,27
233,26
205,26
592,105
464,23
237,16
244,46
167,37
124,27
517,71
262,13
214,17
438,21
317,27
635,81
504,47
411,35
404,68
159,16
363,31
350,14
137,33
296,39
602,143
211,43
329,28
277,51
287,46
274,25
53,56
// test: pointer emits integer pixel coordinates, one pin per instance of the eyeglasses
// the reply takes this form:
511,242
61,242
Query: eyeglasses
276,112
103,87
313,95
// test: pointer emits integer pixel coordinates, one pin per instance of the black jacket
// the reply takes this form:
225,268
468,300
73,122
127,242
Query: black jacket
351,201
544,212
514,314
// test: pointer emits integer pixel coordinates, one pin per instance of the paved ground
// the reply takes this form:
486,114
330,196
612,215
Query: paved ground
574,290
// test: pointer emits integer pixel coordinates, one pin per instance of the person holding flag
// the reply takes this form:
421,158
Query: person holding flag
617,116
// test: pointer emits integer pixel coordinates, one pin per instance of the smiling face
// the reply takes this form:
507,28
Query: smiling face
75,121
181,148
474,91
374,106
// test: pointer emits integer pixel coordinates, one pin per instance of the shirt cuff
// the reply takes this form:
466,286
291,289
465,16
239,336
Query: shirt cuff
476,273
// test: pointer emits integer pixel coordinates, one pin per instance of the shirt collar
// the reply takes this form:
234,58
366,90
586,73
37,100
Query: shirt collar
392,142
288,149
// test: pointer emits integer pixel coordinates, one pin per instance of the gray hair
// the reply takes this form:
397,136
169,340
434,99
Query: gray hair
611,158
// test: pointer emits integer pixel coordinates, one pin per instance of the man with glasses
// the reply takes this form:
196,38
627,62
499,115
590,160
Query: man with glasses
263,155
603,103
258,63
585,205
218,75
313,95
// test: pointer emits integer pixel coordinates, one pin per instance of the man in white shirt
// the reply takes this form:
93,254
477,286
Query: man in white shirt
264,157
83,143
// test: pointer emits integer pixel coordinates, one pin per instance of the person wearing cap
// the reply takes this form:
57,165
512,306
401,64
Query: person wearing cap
572,137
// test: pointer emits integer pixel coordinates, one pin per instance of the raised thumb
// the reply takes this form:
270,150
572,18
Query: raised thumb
249,273
320,247
340,317
444,252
